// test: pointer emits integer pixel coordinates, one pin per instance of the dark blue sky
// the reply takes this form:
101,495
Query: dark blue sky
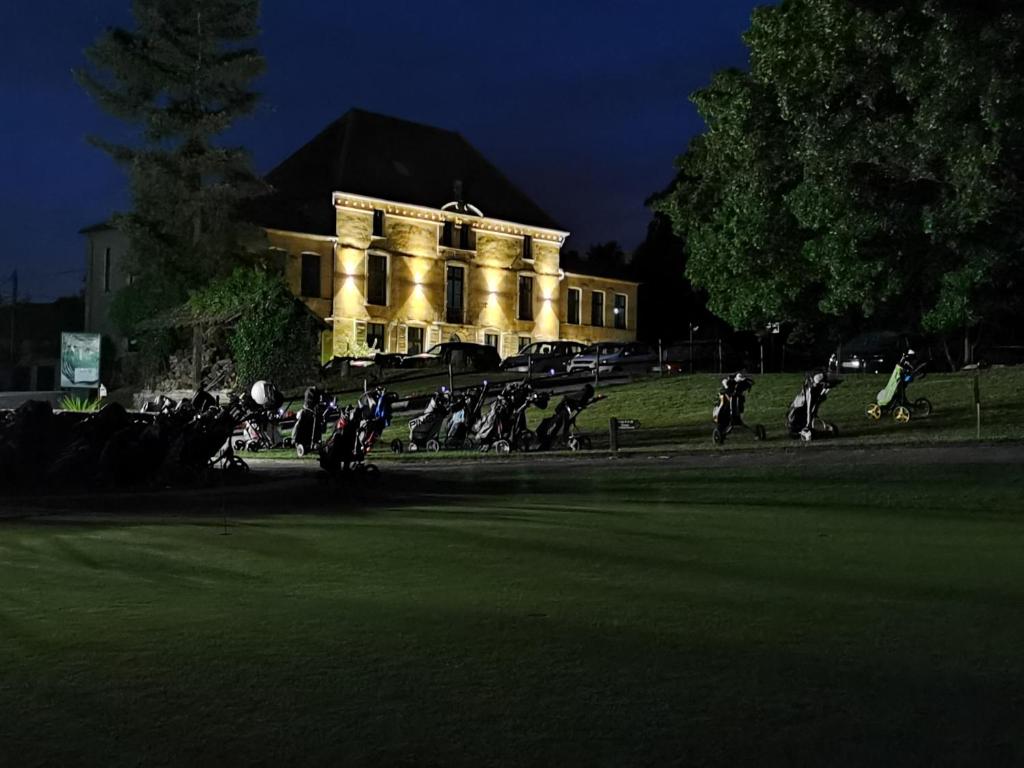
583,103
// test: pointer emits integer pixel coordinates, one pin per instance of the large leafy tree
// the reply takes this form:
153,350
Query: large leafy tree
181,78
870,164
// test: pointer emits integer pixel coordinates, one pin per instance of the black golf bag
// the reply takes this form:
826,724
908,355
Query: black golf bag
802,420
728,413
310,424
558,429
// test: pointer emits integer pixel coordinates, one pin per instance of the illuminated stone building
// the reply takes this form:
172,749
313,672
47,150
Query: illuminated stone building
401,235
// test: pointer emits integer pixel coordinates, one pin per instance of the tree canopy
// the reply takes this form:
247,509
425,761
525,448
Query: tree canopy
180,79
869,165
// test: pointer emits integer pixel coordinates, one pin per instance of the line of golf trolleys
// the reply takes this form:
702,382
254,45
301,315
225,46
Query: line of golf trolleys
803,420
459,420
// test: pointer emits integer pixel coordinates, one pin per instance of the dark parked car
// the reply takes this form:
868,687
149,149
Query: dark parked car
549,357
461,355
615,356
876,352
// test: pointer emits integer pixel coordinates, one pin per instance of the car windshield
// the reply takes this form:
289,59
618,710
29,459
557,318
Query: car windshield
437,349
874,341
539,348
606,349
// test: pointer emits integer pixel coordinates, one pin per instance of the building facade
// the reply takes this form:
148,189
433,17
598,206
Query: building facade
401,278
428,242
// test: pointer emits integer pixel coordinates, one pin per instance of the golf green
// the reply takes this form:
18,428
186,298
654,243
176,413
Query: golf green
599,613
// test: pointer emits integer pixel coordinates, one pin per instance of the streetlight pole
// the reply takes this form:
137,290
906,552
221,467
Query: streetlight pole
692,329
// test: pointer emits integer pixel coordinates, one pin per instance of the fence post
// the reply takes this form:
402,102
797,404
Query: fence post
613,433
977,404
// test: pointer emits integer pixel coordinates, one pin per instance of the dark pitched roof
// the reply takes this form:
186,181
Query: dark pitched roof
378,156
103,226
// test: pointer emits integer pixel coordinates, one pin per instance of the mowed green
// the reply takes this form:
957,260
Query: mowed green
601,613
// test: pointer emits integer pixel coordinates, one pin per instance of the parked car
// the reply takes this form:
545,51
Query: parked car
548,357
876,352
461,355
615,356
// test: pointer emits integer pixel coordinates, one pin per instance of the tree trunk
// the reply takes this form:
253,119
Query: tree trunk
949,354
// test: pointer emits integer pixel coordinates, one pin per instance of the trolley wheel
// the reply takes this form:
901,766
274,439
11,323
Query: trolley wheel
396,446
759,433
585,443
433,446
484,448
573,443
831,429
525,440
806,434
922,407
874,411
717,437
235,465
413,447
239,445
371,471
502,448
288,443
252,446
901,414
300,450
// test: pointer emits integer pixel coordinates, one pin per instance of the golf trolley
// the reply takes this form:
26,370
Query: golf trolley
893,399
728,413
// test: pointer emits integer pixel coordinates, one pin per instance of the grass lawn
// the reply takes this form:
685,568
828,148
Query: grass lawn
639,613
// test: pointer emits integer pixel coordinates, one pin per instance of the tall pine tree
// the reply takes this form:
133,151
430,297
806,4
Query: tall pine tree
180,78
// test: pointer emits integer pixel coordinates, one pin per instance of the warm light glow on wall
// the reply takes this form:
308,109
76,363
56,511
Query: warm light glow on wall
351,261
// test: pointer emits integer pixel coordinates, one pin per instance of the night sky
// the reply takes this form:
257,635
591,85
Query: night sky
583,103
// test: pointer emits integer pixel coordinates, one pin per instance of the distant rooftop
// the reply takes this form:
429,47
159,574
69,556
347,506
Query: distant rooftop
374,155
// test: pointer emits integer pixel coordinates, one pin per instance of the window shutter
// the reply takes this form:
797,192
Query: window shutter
403,339
433,336
508,344
360,332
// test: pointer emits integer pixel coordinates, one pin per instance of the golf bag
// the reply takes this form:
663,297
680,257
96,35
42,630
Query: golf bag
358,428
802,420
728,413
559,429
261,427
311,422
504,427
423,430
465,413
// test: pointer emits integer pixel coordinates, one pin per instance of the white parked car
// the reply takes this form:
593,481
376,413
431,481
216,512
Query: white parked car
615,356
